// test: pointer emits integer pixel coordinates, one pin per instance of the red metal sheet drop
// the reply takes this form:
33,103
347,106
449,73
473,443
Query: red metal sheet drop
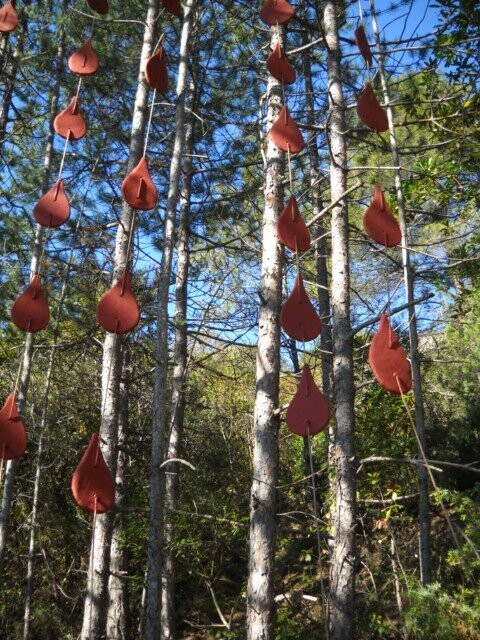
276,11
92,483
84,61
118,310
100,6
173,6
363,46
8,18
370,111
285,133
279,66
69,122
30,310
13,437
308,411
53,209
138,189
291,228
388,360
298,317
379,222
156,73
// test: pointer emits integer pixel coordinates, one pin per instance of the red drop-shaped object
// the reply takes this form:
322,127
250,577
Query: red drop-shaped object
13,438
308,412
138,189
8,18
118,310
291,228
156,73
173,6
53,209
276,12
285,133
84,61
388,360
92,483
279,66
298,317
370,111
100,6
379,222
30,310
363,46
69,122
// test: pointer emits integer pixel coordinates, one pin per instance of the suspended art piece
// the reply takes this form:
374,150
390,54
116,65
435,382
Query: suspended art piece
173,6
363,46
379,222
100,6
285,133
279,66
69,122
84,61
291,228
117,310
298,317
13,437
138,189
8,18
370,111
53,209
92,484
276,12
388,360
308,413
30,311
156,73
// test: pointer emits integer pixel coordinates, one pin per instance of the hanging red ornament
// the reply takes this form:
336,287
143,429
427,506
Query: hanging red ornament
291,228
285,133
388,360
138,189
156,73
13,438
173,6
84,61
308,412
279,66
53,209
370,111
92,484
100,6
298,317
363,46
276,12
30,311
117,310
379,222
8,18
69,122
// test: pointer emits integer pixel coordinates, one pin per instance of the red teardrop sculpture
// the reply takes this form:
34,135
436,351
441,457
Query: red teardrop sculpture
279,66
173,6
276,11
298,317
379,222
53,209
156,73
291,228
363,46
388,360
84,61
308,411
69,122
30,310
138,189
118,310
8,18
285,133
370,111
13,437
92,484
100,6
